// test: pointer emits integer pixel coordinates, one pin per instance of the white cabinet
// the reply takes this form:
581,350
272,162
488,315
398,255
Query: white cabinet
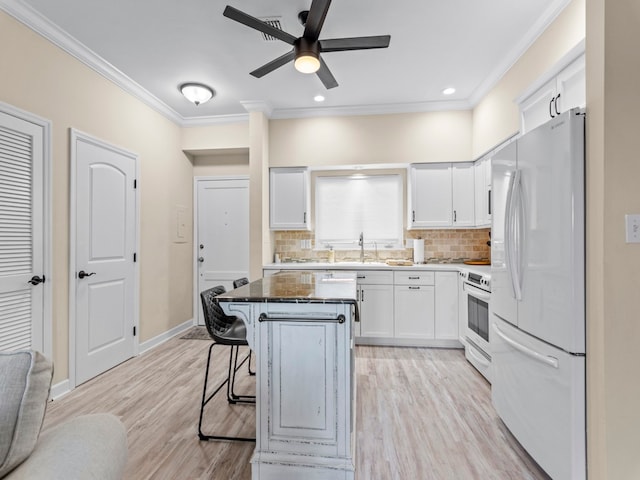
289,199
431,195
562,92
375,302
463,195
482,177
414,300
446,308
442,195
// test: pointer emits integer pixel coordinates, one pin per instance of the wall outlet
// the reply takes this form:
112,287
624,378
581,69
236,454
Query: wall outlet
632,223
305,244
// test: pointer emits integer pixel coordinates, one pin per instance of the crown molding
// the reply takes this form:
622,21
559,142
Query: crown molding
519,49
41,25
360,110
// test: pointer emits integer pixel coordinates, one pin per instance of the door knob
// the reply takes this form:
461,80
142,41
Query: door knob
82,274
36,280
201,259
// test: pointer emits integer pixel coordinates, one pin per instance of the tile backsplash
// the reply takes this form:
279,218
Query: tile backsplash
438,245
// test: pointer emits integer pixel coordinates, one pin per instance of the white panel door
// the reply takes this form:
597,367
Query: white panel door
105,292
222,233
21,234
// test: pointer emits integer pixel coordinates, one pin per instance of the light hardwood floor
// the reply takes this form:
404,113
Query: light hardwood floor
422,414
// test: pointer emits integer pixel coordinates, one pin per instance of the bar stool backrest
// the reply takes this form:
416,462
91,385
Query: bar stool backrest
217,322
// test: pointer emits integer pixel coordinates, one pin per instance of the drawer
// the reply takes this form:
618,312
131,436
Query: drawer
415,277
375,277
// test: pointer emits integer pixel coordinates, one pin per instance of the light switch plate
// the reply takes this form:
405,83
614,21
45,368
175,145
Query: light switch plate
632,224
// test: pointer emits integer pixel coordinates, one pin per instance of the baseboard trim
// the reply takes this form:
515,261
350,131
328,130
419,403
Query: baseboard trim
60,389
144,347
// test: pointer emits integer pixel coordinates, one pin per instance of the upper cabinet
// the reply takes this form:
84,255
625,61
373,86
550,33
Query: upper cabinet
482,177
442,195
289,199
563,91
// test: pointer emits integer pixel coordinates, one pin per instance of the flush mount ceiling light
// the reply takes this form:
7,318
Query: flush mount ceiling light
449,91
319,98
196,92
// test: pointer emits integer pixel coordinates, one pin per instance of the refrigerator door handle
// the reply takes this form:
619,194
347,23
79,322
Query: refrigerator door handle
546,359
510,234
518,237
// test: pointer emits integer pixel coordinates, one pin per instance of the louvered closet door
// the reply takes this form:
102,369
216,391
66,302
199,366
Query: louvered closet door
21,234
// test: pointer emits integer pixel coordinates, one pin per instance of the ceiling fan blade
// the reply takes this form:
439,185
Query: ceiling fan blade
273,64
325,76
355,43
315,19
257,24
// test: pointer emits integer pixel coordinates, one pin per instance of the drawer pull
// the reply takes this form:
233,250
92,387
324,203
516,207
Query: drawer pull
414,288
414,278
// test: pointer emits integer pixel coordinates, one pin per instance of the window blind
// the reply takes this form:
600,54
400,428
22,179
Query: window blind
349,205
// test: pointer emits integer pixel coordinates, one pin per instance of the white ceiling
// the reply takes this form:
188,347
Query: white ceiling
153,46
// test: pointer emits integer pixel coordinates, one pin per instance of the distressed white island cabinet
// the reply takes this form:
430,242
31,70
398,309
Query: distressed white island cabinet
300,324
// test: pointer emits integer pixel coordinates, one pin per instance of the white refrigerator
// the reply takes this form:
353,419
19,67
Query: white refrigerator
538,293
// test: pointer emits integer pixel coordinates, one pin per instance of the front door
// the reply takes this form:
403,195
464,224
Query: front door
22,232
105,239
222,242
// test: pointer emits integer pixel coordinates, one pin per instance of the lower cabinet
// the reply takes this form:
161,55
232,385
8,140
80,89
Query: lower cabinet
414,304
412,308
446,310
375,301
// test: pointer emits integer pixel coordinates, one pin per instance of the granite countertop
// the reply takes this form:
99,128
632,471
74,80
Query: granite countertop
358,266
297,287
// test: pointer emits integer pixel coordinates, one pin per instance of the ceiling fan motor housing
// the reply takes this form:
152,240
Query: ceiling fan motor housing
304,47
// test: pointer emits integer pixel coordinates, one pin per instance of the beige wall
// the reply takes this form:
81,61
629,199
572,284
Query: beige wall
221,165
398,138
613,266
496,117
41,79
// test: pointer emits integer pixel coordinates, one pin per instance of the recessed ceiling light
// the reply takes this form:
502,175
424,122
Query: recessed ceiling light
448,91
319,98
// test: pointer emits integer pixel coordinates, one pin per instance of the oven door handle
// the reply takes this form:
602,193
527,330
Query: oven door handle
478,357
476,292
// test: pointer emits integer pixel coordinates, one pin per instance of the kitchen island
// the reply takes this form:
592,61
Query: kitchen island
300,324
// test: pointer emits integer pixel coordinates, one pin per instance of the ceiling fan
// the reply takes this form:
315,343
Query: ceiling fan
307,48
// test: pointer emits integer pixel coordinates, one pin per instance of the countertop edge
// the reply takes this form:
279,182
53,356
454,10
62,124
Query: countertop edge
436,267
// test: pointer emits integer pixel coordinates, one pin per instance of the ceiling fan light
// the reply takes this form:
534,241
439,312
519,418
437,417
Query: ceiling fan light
197,93
307,64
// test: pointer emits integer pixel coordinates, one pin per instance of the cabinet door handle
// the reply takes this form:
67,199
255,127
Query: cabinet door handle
455,216
413,216
362,295
550,109
555,102
304,218
414,278
489,201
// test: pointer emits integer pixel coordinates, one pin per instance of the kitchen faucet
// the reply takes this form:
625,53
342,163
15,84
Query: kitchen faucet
361,243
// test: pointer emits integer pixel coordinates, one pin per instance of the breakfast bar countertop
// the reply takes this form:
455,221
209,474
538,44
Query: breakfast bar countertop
297,286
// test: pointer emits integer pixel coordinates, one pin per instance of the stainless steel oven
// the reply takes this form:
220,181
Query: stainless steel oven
477,290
